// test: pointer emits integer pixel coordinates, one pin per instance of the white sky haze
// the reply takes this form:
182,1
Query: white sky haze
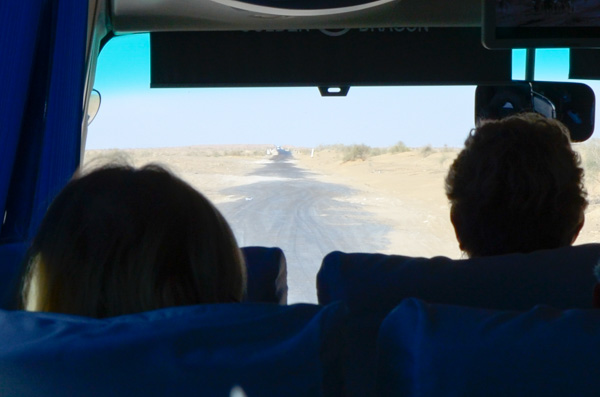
133,115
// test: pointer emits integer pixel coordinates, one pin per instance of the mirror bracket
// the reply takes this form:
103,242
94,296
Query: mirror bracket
334,90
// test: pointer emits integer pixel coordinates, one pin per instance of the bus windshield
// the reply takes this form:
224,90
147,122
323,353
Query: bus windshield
308,174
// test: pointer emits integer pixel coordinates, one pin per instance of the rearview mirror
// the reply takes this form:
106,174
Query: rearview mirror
571,103
93,105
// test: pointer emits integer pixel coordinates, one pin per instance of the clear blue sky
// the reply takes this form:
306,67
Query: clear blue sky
133,115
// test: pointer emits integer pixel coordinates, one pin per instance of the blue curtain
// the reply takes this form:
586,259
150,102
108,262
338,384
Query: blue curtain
42,77
19,23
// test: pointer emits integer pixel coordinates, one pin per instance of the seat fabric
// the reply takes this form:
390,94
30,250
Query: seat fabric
267,275
374,284
561,278
11,256
205,350
433,350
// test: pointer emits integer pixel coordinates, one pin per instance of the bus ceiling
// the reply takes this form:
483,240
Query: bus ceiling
337,44
180,15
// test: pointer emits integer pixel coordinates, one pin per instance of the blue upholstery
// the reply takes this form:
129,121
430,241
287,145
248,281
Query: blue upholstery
267,349
267,275
442,350
61,145
40,117
11,256
46,87
373,284
17,20
561,278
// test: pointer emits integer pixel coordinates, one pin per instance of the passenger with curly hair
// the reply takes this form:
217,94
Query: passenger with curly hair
517,186
122,240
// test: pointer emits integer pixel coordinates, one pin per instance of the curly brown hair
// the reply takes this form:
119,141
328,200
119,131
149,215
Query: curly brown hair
517,186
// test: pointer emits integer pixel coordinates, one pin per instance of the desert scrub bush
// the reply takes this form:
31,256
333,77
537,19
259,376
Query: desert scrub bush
356,152
399,147
353,152
377,151
426,150
338,147
446,149
590,158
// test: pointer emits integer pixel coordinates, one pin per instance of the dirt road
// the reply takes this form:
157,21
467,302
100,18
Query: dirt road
290,209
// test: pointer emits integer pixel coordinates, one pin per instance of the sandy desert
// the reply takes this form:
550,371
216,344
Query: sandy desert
404,190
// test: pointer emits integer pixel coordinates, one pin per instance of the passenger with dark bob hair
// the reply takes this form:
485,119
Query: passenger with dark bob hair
122,240
517,186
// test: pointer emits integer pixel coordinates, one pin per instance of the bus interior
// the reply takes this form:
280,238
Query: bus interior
323,131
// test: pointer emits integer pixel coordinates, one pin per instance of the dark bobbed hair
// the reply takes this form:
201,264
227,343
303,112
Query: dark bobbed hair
123,240
517,186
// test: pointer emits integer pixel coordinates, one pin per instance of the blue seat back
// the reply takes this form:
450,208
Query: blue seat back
373,284
561,278
435,350
11,256
41,92
267,275
205,350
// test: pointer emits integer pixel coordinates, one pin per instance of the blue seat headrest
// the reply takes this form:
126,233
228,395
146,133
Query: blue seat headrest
561,277
267,275
434,349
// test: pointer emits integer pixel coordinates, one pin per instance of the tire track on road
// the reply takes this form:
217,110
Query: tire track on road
300,215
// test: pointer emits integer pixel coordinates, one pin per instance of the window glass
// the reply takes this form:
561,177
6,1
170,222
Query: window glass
292,169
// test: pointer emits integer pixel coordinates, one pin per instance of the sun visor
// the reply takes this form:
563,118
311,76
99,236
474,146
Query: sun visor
584,64
347,57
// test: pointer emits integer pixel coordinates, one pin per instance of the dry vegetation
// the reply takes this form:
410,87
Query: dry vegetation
416,175
401,186
210,169
362,151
